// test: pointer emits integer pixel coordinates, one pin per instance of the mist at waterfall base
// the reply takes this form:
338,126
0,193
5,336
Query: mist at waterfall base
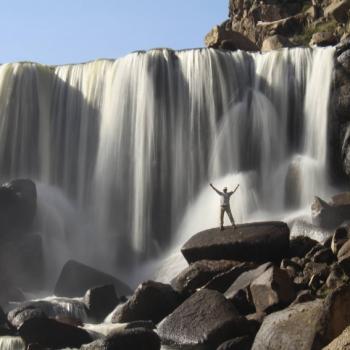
123,151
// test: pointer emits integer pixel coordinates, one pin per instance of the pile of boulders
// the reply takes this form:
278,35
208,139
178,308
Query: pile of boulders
253,287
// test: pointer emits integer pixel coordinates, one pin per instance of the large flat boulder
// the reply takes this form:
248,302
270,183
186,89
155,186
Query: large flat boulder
205,319
199,273
307,326
151,301
76,278
261,241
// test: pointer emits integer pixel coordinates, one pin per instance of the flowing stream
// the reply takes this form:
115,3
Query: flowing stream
123,151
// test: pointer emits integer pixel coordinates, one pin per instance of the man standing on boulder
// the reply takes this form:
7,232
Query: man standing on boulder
225,205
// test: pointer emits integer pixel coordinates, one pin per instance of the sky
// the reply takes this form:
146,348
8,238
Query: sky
74,31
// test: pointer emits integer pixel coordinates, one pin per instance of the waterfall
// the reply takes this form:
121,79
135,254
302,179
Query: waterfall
131,144
12,343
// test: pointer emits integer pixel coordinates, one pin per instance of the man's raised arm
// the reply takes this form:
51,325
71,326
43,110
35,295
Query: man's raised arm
232,192
215,189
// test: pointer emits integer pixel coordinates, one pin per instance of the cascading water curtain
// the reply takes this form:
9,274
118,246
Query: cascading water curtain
131,143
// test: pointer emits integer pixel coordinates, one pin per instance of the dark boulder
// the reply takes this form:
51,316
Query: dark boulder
128,339
206,319
264,241
17,207
76,278
245,279
25,312
304,296
240,343
151,301
306,326
100,301
299,246
340,236
336,278
224,280
344,257
66,310
272,290
324,255
52,334
199,273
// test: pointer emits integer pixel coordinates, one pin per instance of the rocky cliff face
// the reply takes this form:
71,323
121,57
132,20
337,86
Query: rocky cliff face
273,24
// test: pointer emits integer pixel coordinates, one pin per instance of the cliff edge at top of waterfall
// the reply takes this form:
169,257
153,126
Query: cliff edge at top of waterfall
261,241
273,24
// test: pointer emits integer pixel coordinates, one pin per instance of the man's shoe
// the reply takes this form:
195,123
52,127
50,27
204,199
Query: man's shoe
222,228
234,226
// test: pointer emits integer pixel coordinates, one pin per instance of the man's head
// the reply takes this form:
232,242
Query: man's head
225,189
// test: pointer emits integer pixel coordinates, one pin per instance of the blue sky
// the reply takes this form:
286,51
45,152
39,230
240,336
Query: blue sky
73,31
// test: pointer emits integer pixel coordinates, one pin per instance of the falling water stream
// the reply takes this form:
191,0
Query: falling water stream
123,151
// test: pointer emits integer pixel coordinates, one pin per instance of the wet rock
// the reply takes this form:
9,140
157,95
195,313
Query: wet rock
272,290
344,60
245,279
206,318
100,301
223,281
329,216
343,46
52,334
24,312
316,282
336,278
306,326
275,42
17,207
310,255
199,273
324,255
240,343
264,241
313,268
61,309
344,257
340,236
299,246
137,338
151,301
315,232
323,39
303,297
285,263
69,285
237,41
